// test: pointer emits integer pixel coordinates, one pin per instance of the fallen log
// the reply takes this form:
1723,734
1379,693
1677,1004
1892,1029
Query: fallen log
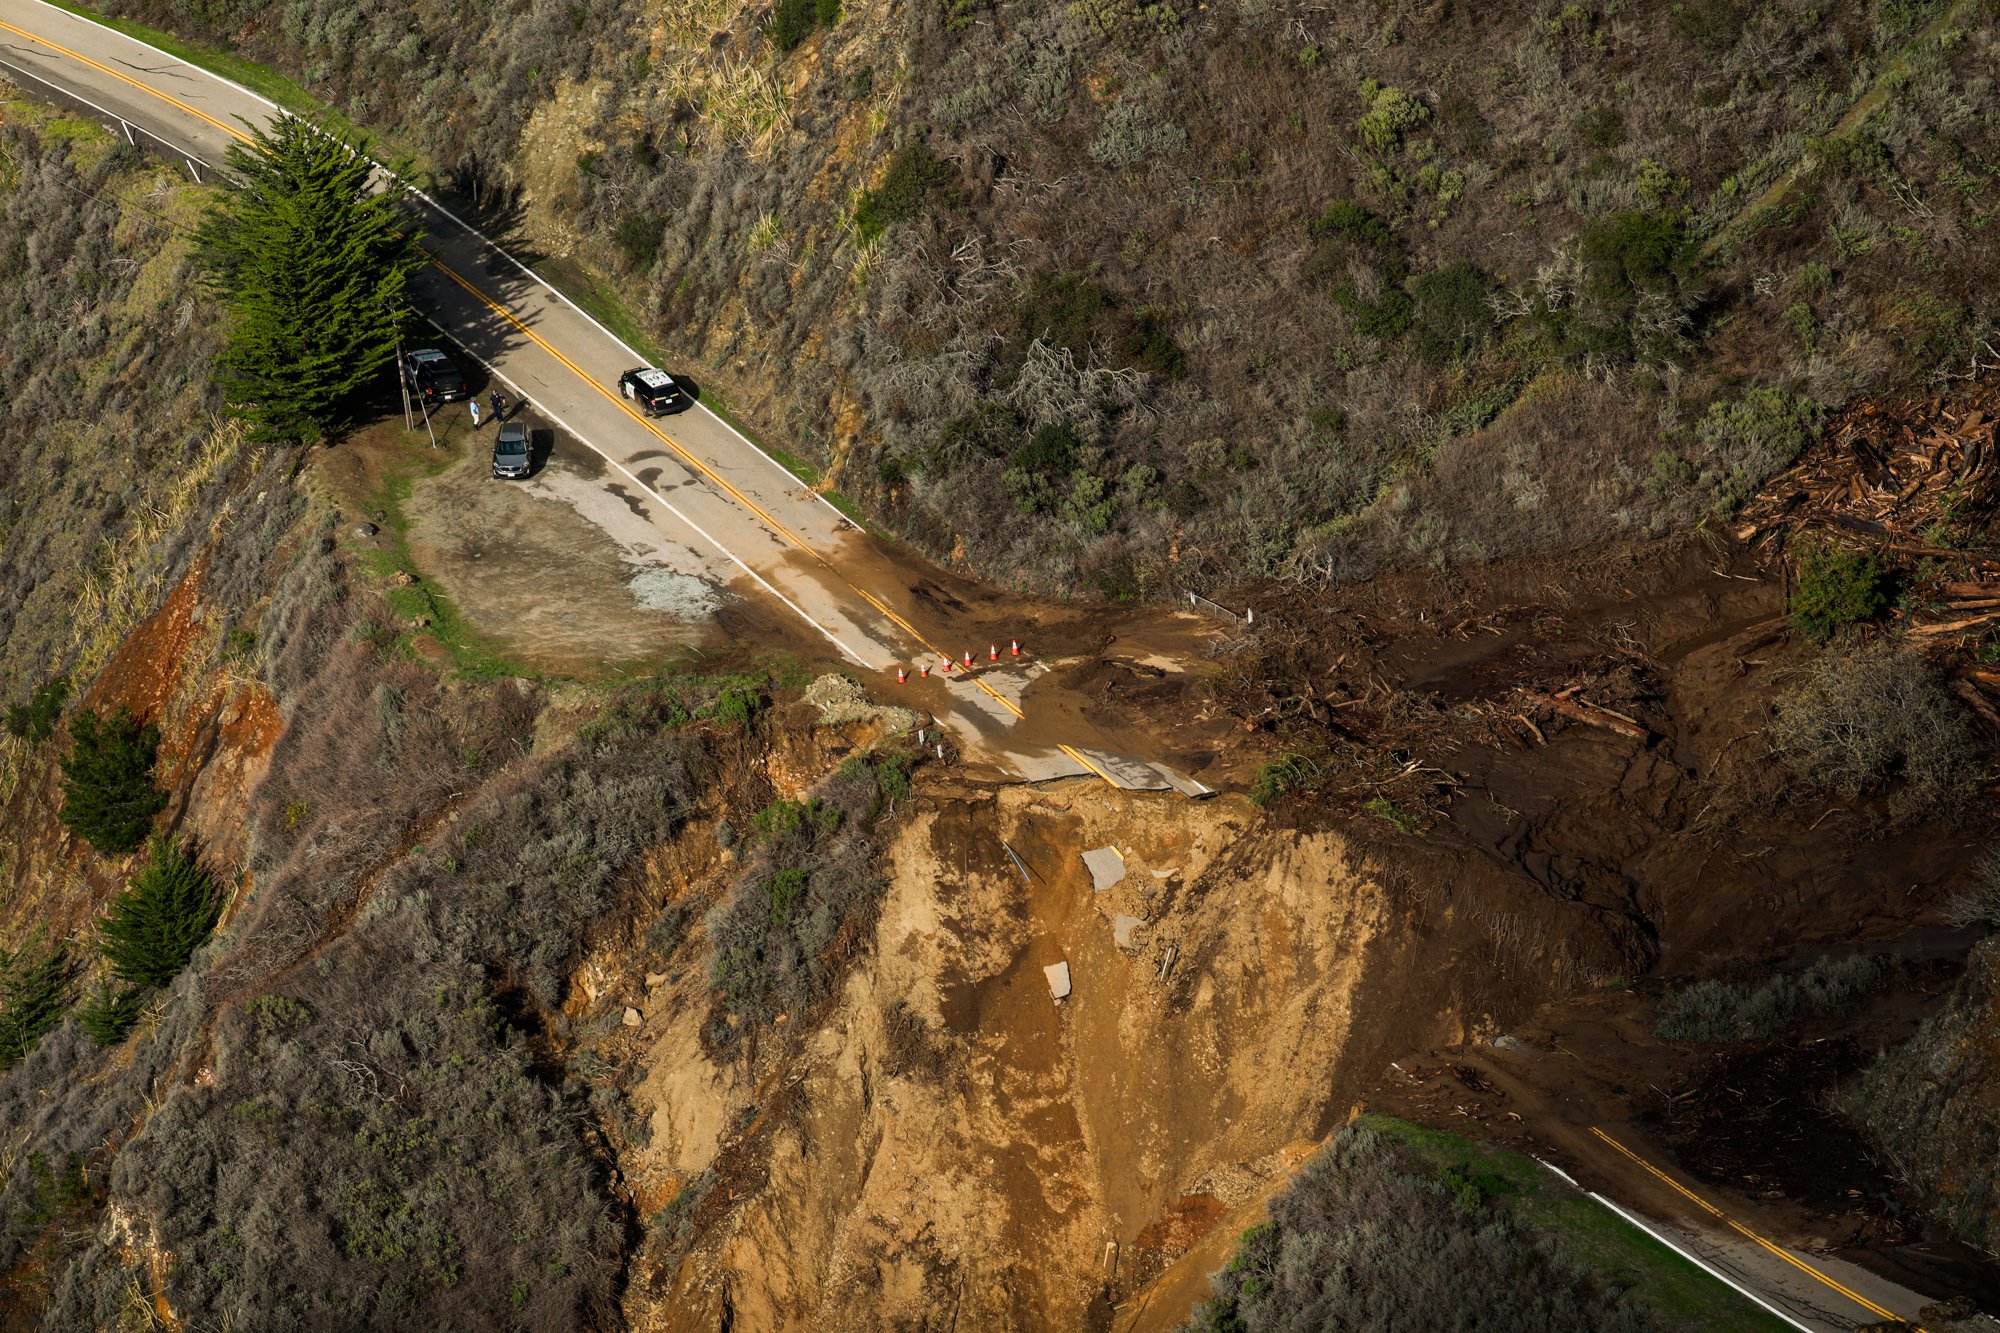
1590,715
1956,626
1943,553
1980,703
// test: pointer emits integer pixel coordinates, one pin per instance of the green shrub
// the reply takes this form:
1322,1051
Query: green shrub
1282,776
737,704
155,925
110,1014
914,184
1628,257
1387,114
34,995
1351,222
782,821
109,798
1601,127
36,719
792,21
1714,1011
1351,237
1390,813
1835,587
1043,470
638,237
1753,437
1713,24
1079,315
1452,311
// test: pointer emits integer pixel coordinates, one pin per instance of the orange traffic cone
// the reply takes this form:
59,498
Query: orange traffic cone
947,666
992,652
968,659
901,675
1016,649
924,670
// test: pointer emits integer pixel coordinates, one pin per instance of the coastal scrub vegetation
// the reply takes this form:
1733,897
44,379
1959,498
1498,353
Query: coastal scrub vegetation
1362,310
1365,1237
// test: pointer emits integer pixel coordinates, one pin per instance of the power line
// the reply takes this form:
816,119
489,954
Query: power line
121,205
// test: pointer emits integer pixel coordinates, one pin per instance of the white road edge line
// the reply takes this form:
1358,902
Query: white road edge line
1698,1262
1567,1178
488,241
124,121
582,439
662,500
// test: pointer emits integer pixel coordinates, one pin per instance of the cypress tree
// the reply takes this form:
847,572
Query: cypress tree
34,995
109,798
312,260
111,1014
155,926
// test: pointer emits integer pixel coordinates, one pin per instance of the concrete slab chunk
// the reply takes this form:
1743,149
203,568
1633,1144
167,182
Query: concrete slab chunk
1106,867
1058,975
1122,927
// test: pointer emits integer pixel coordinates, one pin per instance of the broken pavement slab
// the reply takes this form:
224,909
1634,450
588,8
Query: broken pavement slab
1132,774
1106,866
1122,928
1058,975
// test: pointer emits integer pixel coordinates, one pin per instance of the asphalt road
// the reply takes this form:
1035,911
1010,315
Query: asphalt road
694,480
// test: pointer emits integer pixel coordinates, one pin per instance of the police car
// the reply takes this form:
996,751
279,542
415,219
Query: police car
653,391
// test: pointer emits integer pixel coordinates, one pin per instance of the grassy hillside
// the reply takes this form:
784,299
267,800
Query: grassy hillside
1138,294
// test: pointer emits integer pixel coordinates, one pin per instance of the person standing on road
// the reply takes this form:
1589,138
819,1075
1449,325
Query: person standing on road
499,406
475,411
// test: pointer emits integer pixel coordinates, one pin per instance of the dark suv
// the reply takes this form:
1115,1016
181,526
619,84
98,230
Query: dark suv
433,378
653,390
510,452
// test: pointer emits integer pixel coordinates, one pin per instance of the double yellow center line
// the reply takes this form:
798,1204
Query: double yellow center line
770,520
722,483
102,68
1750,1235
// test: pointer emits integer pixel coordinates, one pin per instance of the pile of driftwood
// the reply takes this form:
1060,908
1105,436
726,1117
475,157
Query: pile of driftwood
1895,477
1899,479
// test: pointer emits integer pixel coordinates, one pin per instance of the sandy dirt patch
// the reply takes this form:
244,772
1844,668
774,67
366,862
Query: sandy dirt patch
554,567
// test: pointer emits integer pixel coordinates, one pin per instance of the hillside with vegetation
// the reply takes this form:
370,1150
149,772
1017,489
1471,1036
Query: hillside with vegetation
1594,395
1133,297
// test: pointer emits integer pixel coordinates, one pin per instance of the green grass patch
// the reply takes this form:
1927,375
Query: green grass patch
474,654
1584,1229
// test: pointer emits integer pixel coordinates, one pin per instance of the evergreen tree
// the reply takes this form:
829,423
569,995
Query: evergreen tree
312,259
111,1013
155,926
34,995
109,798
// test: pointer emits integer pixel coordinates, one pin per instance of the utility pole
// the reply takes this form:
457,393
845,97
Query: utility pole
403,383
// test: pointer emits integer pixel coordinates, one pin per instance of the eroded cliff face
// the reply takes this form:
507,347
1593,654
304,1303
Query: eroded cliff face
952,1147
1931,1103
